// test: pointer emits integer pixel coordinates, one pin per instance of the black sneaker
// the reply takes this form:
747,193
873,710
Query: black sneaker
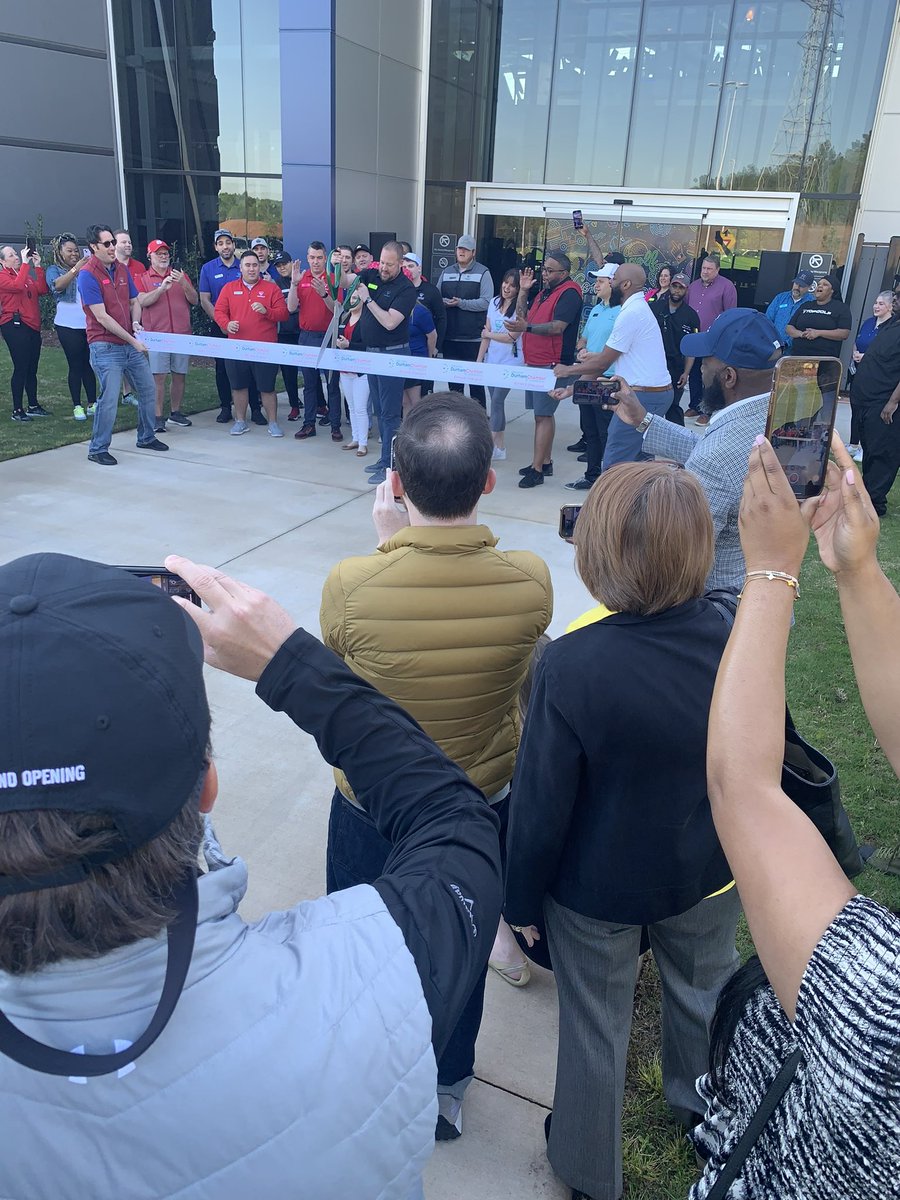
176,418
104,458
324,420
581,458
577,447
156,444
19,414
546,469
224,416
159,425
257,417
38,410
531,478
579,485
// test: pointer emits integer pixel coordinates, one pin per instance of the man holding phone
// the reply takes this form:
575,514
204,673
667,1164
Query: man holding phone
739,352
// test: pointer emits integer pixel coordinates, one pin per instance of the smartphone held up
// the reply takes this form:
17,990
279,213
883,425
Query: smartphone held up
802,411
166,581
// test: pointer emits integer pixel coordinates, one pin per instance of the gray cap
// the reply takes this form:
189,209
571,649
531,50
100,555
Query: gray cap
259,242
223,233
466,242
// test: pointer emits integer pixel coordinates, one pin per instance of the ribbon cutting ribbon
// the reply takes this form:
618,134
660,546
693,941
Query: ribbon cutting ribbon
359,362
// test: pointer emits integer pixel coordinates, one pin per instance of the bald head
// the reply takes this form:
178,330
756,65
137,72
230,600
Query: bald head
629,278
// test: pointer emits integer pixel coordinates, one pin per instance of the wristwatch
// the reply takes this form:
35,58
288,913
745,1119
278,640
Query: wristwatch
527,330
644,425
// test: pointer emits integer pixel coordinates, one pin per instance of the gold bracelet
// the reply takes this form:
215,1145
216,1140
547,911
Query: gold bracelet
782,576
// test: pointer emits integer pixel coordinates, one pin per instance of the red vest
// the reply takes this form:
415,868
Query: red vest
538,350
116,300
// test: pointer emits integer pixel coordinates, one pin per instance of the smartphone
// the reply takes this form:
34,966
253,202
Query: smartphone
802,409
30,245
577,218
170,583
596,391
86,253
568,515
398,499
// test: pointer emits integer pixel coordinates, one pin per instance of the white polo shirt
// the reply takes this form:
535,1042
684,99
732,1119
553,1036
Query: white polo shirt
637,337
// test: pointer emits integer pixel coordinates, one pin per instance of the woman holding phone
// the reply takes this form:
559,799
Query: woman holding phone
610,827
822,1001
22,283
70,324
500,346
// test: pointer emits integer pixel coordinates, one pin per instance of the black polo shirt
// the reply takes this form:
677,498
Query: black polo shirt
397,293
433,301
674,326
833,315
879,372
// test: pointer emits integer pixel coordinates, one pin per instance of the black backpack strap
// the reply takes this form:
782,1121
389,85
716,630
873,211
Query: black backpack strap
30,1053
770,1102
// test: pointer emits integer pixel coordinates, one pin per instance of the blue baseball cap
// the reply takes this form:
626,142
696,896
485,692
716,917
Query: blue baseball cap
740,337
222,233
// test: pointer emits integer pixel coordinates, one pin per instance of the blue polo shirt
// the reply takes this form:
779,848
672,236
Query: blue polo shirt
214,275
597,329
90,292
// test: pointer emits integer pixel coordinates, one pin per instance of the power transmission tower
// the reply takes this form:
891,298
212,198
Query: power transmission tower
805,128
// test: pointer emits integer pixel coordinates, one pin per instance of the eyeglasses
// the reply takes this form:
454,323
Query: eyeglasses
106,245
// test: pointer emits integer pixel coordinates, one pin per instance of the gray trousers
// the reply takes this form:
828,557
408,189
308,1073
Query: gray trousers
623,442
498,409
595,963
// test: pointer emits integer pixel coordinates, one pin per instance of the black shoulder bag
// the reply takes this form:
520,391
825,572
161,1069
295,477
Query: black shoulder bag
808,777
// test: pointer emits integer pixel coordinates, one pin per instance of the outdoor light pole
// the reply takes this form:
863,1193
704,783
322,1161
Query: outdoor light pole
734,84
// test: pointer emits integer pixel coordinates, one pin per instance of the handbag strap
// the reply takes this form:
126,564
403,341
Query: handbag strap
769,1103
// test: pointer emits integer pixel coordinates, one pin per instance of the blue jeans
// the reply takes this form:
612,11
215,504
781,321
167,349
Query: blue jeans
110,362
356,853
387,402
623,442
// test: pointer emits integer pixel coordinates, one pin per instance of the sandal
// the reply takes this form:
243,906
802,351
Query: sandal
362,452
349,445
510,971
886,860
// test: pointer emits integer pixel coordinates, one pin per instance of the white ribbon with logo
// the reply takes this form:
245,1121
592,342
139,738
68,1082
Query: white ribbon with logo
359,362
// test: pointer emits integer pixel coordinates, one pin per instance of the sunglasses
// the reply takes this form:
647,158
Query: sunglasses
106,245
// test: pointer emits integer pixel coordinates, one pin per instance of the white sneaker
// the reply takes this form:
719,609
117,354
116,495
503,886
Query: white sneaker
275,429
858,456
449,1122
498,454
238,428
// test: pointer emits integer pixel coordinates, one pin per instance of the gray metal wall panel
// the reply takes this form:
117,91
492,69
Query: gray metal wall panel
69,96
77,24
69,191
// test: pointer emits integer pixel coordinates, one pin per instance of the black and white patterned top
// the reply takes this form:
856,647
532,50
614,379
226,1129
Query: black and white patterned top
836,1133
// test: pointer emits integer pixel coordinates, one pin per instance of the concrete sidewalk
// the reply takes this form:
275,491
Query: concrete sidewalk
279,514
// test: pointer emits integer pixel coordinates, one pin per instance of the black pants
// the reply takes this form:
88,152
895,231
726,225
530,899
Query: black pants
696,384
675,414
24,345
223,387
594,426
465,352
289,374
881,453
81,375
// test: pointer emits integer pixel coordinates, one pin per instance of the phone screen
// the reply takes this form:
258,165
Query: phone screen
802,409
595,391
170,583
577,218
86,253
568,515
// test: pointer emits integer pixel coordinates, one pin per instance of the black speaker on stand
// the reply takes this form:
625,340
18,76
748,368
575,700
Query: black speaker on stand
777,271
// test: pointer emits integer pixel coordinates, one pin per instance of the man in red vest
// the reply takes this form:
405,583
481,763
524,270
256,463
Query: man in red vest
550,328
112,312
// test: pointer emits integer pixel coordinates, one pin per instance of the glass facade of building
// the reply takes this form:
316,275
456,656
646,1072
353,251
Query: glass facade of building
200,111
758,95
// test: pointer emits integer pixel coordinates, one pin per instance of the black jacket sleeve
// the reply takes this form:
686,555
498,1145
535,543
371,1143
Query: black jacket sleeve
438,311
544,790
442,881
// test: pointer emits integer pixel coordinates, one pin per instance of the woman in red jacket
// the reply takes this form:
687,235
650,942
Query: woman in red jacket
21,283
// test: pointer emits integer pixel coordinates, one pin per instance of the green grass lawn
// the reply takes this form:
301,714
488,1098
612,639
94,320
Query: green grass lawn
45,433
826,708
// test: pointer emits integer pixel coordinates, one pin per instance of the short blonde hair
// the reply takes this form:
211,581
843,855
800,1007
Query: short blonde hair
644,538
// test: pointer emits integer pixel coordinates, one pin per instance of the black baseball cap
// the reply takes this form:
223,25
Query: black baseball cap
101,668
362,246
281,258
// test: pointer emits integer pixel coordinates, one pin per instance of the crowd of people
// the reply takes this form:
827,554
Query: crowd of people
496,803
105,298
